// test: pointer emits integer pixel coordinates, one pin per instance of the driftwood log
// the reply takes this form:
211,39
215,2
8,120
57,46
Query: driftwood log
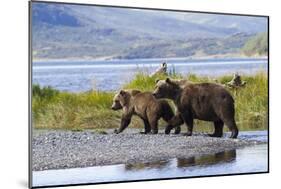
161,70
236,82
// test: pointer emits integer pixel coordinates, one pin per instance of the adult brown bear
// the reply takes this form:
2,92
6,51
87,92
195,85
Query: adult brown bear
144,105
203,101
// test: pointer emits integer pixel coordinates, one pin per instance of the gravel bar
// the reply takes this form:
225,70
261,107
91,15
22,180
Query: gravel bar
68,149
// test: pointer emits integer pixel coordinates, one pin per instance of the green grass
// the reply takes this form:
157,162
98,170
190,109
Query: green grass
62,110
53,109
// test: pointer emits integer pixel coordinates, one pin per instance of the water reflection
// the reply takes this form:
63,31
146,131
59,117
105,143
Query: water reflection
243,160
217,158
149,165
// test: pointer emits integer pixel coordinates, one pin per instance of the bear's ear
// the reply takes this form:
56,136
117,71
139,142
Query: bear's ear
157,80
122,92
171,82
168,80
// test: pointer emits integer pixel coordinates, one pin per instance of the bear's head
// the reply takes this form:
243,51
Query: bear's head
166,88
120,100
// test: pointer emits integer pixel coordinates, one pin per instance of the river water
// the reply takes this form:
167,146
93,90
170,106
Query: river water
75,76
251,159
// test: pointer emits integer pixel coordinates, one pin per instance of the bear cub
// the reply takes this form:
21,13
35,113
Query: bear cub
144,105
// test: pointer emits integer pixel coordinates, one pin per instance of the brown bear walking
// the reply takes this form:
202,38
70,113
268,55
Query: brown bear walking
203,101
144,105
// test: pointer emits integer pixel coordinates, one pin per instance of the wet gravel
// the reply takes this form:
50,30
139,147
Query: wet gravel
68,149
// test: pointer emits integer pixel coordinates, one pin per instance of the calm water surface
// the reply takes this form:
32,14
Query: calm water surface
243,160
111,75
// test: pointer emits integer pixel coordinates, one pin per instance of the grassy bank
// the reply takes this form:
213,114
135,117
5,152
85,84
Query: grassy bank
91,110
62,110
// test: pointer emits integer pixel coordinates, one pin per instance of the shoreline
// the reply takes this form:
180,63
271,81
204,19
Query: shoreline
68,149
38,60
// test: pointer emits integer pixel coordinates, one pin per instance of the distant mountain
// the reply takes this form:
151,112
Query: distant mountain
241,24
74,31
56,16
257,45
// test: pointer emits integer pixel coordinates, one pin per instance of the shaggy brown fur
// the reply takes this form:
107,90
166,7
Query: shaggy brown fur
144,105
203,101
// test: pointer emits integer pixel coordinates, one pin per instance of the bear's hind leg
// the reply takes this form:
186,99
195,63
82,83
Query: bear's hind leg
168,115
232,127
227,115
147,128
218,129
176,121
154,125
178,129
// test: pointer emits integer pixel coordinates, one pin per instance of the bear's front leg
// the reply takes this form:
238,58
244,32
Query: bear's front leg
188,119
125,121
189,128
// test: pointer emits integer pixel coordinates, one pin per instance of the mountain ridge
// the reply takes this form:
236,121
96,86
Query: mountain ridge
63,31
